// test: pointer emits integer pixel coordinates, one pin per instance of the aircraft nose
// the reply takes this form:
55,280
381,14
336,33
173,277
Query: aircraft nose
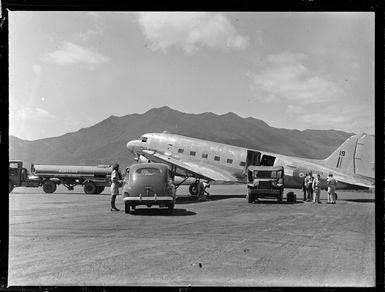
132,146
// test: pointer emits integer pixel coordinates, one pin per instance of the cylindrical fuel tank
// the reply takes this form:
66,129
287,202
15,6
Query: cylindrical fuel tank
71,170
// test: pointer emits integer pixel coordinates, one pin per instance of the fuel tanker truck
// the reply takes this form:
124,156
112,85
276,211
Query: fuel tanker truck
93,178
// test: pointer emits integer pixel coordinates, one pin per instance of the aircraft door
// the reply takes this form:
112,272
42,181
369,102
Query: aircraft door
252,158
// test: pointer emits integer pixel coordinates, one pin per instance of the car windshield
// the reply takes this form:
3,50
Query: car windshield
148,171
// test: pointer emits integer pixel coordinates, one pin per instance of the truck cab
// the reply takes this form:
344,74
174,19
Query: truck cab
265,182
18,176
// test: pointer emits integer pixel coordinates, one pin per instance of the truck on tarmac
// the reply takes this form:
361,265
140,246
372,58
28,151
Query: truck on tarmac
265,182
93,178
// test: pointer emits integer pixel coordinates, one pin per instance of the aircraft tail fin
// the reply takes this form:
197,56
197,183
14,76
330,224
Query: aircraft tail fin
354,157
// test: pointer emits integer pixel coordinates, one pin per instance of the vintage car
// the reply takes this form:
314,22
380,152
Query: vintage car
148,184
265,182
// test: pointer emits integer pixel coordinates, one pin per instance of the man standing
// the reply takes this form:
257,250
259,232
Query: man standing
332,183
116,181
304,188
317,189
309,183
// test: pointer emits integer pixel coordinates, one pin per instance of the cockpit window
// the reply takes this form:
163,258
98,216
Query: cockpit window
148,171
144,139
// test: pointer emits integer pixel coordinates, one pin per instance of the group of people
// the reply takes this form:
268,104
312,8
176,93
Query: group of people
312,188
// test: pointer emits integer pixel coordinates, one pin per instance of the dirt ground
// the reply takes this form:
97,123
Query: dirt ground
69,238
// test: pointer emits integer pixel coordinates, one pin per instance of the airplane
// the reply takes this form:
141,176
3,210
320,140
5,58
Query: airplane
352,164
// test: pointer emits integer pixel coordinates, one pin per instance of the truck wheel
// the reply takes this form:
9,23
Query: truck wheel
100,190
49,187
193,189
90,187
171,208
10,186
250,198
279,198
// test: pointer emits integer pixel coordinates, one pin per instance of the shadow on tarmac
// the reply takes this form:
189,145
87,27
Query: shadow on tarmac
359,200
194,200
161,212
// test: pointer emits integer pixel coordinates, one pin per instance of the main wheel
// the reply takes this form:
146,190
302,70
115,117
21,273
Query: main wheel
90,187
49,187
10,186
193,189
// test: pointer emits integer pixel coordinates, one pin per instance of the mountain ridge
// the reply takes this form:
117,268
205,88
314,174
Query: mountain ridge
105,142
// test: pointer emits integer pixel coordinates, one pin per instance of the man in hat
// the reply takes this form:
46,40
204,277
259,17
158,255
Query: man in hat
116,181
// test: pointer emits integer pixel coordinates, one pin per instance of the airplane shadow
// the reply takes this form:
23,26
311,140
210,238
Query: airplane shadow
161,212
359,200
194,200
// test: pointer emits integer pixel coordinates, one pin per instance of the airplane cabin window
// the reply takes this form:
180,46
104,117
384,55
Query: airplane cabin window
180,150
205,155
192,153
242,163
229,161
217,158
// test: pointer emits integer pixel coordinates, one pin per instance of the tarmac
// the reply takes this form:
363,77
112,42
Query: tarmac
72,239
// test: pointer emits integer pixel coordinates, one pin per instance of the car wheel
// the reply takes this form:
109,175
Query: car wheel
127,208
49,187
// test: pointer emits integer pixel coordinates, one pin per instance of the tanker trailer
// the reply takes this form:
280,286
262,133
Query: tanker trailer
93,178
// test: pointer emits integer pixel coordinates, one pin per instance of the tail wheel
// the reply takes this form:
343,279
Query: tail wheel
90,187
193,189
10,186
49,187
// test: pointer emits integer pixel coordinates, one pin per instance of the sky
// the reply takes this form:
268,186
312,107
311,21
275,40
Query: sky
294,70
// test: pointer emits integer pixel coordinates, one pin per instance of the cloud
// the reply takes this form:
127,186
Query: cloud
348,118
70,53
29,113
96,29
190,31
285,77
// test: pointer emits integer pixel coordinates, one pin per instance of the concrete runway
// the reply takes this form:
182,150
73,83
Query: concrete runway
69,238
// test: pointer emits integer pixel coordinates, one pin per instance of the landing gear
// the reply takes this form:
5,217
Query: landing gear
193,189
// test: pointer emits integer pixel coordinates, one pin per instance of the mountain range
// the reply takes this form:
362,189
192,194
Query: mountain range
105,142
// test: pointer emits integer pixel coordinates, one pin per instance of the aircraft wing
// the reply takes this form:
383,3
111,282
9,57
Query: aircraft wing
191,168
